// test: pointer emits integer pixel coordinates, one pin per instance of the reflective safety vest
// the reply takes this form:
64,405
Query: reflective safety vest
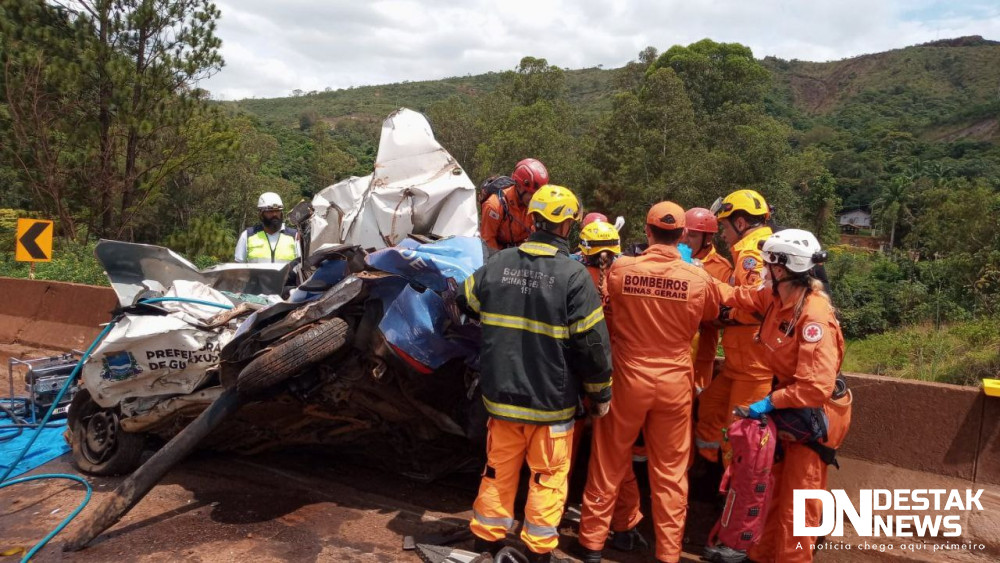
259,247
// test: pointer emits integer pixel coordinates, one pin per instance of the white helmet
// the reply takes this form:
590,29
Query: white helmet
795,249
269,200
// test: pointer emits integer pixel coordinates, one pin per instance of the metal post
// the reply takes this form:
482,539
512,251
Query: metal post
135,487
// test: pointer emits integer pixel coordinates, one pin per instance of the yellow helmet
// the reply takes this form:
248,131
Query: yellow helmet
599,236
748,201
555,203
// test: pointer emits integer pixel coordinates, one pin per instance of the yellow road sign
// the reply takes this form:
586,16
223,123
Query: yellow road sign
34,240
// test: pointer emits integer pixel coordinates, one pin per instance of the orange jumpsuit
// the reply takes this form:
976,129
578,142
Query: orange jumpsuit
704,363
503,228
745,377
626,514
805,355
656,303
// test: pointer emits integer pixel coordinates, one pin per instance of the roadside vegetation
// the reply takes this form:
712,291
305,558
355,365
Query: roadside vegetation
103,129
961,353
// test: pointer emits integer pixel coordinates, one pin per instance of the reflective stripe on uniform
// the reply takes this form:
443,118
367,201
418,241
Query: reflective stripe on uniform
470,294
521,323
540,531
596,387
588,322
703,445
538,249
491,521
524,413
562,426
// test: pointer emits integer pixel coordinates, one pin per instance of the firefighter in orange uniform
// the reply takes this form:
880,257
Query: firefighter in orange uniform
544,345
600,245
656,302
745,376
701,228
505,222
805,349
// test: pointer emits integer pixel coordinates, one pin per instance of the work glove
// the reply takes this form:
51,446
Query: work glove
597,410
760,408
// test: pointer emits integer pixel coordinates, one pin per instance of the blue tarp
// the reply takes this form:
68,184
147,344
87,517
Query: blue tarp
431,264
49,445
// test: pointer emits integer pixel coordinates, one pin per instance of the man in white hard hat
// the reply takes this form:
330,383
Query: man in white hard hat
271,240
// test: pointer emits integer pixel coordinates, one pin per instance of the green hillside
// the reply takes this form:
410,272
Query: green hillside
589,88
946,90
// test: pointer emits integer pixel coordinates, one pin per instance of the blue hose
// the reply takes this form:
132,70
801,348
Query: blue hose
187,300
27,557
41,426
55,402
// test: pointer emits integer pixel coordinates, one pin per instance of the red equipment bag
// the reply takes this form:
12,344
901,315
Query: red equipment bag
747,484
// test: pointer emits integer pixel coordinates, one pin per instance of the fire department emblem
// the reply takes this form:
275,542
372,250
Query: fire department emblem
812,332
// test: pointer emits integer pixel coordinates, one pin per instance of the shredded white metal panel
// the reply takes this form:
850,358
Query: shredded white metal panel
417,187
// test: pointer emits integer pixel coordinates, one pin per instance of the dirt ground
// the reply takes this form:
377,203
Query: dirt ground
301,505
297,506
281,507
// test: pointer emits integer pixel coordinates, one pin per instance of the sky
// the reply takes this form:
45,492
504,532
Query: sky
273,47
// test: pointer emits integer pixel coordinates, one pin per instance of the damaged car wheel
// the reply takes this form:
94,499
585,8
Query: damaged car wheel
292,356
100,445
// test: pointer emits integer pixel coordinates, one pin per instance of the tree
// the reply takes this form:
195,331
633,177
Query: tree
716,74
893,205
329,162
144,58
43,121
647,150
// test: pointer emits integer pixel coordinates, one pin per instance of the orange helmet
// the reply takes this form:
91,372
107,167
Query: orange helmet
666,215
701,220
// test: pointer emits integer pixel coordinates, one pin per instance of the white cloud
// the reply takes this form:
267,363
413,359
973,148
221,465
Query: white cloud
272,48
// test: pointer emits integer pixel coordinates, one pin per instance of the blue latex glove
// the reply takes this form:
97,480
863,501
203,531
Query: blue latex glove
761,407
685,251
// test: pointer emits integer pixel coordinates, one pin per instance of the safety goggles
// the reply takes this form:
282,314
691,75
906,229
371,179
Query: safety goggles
718,206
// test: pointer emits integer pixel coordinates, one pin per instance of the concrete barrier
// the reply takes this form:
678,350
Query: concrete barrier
931,427
52,315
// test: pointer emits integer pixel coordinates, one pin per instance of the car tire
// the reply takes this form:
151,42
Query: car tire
292,356
100,446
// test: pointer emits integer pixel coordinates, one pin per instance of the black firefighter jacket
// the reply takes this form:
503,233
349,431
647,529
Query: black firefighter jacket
544,338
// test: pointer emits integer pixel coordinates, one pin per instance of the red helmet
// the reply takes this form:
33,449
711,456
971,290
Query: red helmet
701,220
591,217
530,174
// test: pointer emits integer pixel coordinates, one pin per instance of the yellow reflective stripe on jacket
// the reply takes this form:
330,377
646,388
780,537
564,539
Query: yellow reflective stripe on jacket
470,294
521,323
588,322
596,387
538,249
524,413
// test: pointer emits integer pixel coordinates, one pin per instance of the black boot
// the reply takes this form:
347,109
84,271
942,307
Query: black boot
630,540
486,546
586,555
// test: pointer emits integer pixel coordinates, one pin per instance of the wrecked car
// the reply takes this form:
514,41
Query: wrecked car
369,349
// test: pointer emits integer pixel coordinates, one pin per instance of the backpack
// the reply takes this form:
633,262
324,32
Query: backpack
493,186
747,484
